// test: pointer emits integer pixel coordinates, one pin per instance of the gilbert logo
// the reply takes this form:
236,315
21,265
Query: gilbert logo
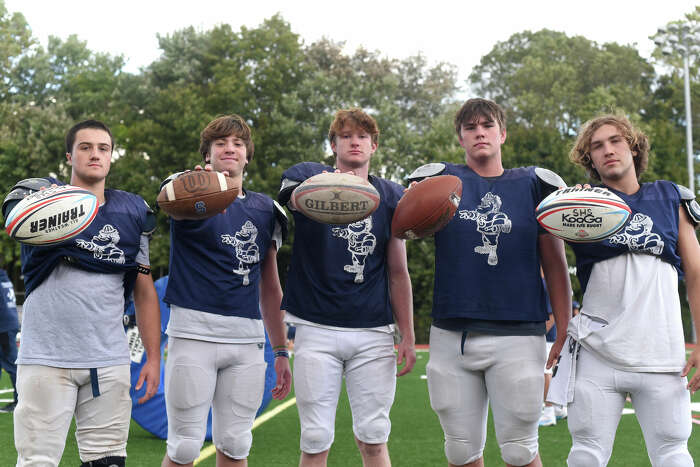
336,206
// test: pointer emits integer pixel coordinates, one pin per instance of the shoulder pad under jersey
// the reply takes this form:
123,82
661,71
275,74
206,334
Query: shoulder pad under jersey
150,225
282,219
286,188
20,190
427,170
550,178
688,200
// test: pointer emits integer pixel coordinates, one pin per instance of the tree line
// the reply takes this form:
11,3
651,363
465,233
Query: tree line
548,82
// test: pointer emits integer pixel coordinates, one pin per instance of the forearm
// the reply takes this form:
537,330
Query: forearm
148,318
271,299
273,317
692,284
556,275
402,305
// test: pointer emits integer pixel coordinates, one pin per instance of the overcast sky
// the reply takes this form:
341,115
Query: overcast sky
456,32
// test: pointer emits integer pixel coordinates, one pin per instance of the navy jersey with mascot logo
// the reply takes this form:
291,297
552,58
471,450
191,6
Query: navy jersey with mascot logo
338,274
215,262
487,258
108,245
651,229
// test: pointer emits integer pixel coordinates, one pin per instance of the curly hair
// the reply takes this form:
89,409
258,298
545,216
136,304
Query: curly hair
355,118
637,141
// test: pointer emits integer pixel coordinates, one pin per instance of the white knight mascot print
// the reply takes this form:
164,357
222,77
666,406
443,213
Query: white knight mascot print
247,251
104,245
639,237
361,243
490,223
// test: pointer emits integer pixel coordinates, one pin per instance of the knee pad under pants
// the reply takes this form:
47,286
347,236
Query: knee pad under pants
184,450
459,452
519,453
582,456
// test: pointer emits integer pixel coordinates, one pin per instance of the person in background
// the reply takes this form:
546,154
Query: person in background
9,326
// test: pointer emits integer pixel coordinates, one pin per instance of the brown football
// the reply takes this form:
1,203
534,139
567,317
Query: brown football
197,194
426,207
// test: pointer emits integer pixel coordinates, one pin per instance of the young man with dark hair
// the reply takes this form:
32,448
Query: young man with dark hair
223,277
487,343
74,357
344,310
628,336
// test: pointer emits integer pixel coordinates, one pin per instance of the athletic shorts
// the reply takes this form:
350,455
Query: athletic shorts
50,397
367,361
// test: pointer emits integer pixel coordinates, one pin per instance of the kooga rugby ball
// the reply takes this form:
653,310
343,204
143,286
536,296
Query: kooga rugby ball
582,214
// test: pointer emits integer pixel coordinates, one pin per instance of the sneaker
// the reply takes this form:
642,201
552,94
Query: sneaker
548,418
560,411
8,408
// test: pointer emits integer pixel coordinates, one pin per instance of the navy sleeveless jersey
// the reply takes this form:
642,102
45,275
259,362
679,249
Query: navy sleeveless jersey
338,274
215,262
487,258
652,229
109,245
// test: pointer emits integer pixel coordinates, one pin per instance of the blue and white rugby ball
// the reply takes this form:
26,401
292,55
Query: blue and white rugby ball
582,214
52,215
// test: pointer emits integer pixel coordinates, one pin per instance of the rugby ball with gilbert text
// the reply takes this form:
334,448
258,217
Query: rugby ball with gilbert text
582,214
336,198
51,216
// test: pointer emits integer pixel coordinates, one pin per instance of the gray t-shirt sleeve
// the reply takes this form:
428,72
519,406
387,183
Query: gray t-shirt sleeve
143,255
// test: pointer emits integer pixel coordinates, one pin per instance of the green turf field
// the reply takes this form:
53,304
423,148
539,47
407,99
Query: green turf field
416,437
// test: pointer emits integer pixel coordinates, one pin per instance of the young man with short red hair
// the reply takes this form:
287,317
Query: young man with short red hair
345,287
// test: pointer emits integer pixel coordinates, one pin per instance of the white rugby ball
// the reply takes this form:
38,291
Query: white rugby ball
336,198
582,214
52,215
